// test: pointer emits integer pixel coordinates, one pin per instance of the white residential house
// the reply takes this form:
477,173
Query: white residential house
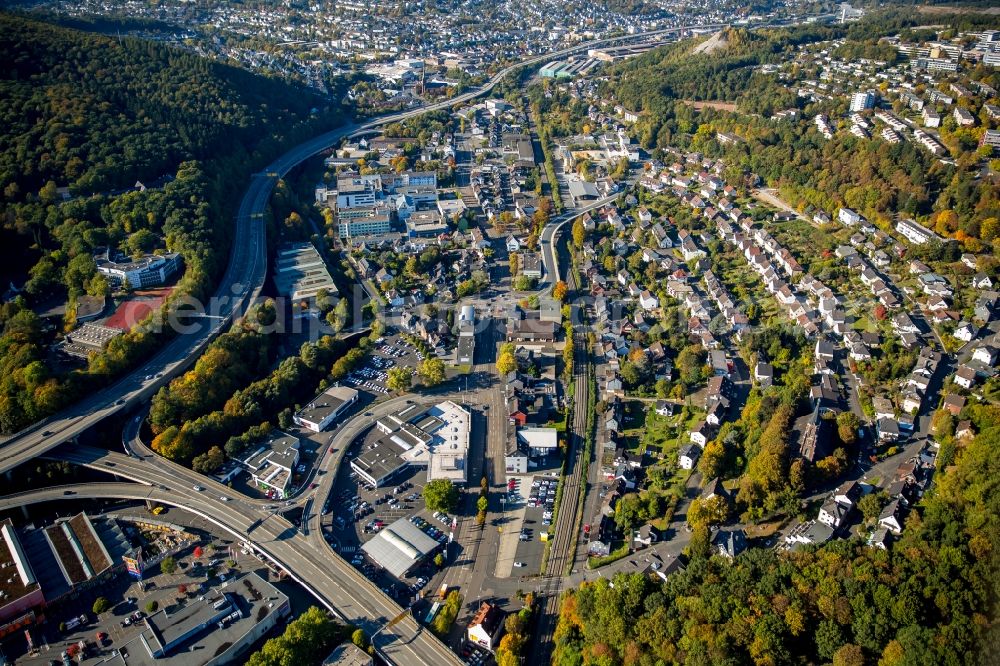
701,433
982,281
966,331
986,354
916,233
664,408
833,513
849,217
648,301
688,456
891,517
965,377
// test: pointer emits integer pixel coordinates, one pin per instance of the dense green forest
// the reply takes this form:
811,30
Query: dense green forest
930,599
878,179
95,115
238,390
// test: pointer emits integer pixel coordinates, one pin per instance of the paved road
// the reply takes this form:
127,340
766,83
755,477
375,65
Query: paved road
549,239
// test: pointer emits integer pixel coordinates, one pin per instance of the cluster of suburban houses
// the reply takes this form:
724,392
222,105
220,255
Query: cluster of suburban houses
838,510
916,84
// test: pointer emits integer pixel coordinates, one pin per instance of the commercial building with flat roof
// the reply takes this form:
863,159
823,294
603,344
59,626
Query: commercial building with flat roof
151,270
20,590
400,547
272,463
531,265
348,654
45,565
538,441
300,274
436,439
88,339
325,408
426,223
216,628
530,329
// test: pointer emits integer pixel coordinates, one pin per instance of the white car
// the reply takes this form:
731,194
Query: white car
519,564
197,488
223,498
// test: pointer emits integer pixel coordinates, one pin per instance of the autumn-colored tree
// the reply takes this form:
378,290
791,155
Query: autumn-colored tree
431,371
559,291
712,459
847,427
506,363
579,233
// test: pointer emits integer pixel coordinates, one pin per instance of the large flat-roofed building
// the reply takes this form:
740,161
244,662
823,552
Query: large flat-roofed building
519,145
272,463
348,654
400,547
43,566
366,204
863,100
538,441
325,408
20,590
151,270
450,448
426,223
371,221
218,627
88,339
530,329
531,265
300,274
436,439
556,70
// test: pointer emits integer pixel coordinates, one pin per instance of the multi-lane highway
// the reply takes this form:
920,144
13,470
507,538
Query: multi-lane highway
549,239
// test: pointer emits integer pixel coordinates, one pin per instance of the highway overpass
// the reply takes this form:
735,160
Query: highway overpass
342,589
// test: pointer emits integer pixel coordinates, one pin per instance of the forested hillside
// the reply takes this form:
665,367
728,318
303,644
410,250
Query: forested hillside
95,115
931,599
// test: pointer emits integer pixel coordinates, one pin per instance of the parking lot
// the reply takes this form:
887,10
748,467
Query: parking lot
388,352
356,512
527,521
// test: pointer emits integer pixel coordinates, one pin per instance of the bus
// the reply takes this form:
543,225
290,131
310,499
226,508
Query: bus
432,613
